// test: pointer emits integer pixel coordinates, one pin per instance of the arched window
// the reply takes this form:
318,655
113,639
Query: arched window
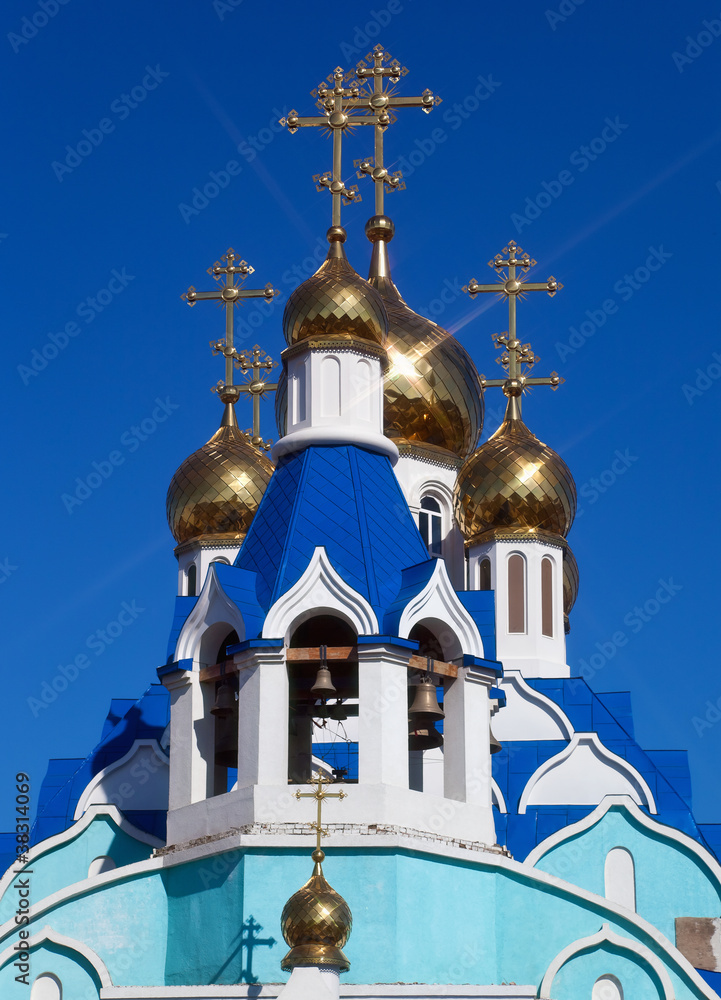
192,579
620,877
103,863
547,597
47,987
516,593
484,581
607,988
430,524
330,387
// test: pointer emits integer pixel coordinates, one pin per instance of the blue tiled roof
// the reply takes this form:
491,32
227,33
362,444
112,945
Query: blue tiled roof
345,499
183,607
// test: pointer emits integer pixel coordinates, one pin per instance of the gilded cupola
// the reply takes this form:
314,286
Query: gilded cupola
316,923
217,489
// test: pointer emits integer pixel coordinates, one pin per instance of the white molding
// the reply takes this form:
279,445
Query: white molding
92,812
433,487
213,606
555,716
583,742
606,936
62,941
497,796
319,589
653,825
439,600
341,436
101,775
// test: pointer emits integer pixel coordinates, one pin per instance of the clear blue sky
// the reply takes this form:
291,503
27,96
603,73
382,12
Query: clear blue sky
581,136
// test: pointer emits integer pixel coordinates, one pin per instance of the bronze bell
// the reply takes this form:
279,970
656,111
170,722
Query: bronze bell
323,687
425,707
224,701
226,742
338,712
424,739
495,745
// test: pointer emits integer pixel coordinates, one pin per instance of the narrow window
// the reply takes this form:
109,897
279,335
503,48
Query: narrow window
620,877
485,575
430,524
330,387
192,579
516,593
47,987
547,597
363,389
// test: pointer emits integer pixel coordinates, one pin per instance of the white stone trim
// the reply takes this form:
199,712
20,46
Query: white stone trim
101,775
582,742
341,436
497,796
660,829
514,683
61,941
606,936
439,600
320,588
92,812
213,606
373,991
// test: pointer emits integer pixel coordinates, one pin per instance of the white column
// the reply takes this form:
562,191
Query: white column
191,739
466,739
262,717
383,716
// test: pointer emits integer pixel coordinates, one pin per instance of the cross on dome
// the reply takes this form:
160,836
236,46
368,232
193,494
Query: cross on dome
320,794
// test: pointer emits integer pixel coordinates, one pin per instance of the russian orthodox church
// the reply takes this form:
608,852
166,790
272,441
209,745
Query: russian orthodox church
369,652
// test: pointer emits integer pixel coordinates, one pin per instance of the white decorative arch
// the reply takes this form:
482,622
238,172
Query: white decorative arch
595,941
213,607
670,833
439,600
144,767
619,877
497,797
528,715
320,590
582,774
438,490
48,935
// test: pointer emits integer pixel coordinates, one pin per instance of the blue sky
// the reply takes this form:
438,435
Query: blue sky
586,132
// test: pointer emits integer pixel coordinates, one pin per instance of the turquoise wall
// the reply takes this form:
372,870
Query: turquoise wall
78,979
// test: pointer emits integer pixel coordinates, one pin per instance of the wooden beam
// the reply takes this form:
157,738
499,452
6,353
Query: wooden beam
311,654
436,666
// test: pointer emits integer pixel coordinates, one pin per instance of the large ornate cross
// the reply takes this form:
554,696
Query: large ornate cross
229,277
335,118
254,362
381,102
320,794
516,355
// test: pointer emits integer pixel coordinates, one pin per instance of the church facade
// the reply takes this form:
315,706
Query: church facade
369,652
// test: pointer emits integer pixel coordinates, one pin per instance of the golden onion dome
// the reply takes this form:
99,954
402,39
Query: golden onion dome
217,489
515,483
570,585
335,301
316,923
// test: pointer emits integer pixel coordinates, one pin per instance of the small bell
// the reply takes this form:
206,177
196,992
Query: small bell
424,739
338,712
425,707
226,743
323,687
224,705
495,745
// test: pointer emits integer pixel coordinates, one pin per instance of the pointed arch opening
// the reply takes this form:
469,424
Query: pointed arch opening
619,875
516,593
547,597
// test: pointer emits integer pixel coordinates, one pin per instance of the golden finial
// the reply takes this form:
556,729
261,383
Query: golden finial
517,358
335,103
229,293
382,102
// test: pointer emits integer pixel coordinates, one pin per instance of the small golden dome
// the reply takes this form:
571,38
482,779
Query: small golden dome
335,301
570,585
514,482
217,489
316,923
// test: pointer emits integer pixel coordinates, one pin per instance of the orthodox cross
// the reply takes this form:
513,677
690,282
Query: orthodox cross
320,794
254,362
229,293
249,940
334,103
513,287
381,102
